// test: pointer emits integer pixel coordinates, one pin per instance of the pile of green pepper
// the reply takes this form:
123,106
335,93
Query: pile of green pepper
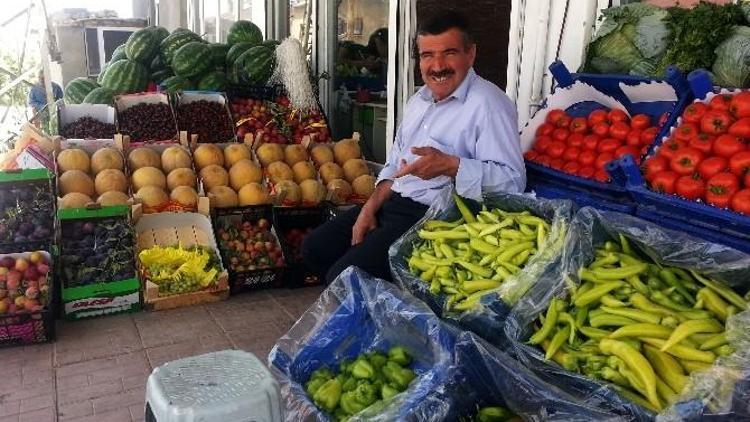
639,325
470,257
493,414
360,383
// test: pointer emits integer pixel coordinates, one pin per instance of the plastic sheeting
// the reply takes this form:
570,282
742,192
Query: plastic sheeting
487,319
723,391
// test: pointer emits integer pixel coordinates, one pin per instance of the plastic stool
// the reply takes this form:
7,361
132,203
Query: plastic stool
227,386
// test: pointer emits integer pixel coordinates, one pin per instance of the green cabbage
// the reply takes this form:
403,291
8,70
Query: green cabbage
732,65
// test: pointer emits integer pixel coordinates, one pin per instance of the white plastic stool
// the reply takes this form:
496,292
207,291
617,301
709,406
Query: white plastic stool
226,386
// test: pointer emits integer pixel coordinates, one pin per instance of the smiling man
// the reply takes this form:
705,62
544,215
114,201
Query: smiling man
459,128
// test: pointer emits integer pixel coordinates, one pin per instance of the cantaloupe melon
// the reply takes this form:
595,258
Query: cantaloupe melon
74,200
110,180
278,171
303,170
208,154
152,196
269,153
175,157
244,172
76,181
355,168
345,150
223,197
214,175
313,192
181,177
143,157
331,171
340,191
148,176
321,154
184,195
234,153
295,153
108,199
288,192
364,185
106,158
73,159
253,194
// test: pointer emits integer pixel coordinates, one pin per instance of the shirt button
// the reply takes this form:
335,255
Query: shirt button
425,126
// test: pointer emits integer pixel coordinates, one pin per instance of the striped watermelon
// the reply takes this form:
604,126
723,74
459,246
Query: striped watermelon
77,89
118,54
142,46
172,43
255,65
218,54
244,31
175,83
126,76
213,81
161,75
157,64
158,32
100,76
99,95
192,59
236,51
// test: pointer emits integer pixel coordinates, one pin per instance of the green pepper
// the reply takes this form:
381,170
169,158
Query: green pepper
398,376
399,355
314,384
635,362
494,414
680,351
596,293
714,342
724,291
621,273
350,404
667,368
634,314
557,340
349,384
323,373
668,276
642,330
464,209
328,395
713,303
362,369
550,321
594,333
688,328
387,391
723,350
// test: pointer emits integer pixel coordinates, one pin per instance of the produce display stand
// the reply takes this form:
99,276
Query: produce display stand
27,206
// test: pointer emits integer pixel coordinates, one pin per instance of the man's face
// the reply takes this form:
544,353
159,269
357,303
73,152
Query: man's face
444,61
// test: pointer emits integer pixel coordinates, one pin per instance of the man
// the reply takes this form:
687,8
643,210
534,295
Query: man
38,95
458,127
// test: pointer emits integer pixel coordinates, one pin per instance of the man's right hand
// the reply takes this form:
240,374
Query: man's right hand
366,222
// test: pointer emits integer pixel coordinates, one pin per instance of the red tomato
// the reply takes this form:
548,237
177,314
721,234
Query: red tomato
601,129
575,140
664,181
712,166
531,155
634,138
741,202
545,129
690,187
578,125
740,163
654,165
603,159
648,135
740,105
542,143
571,167
587,172
560,134
694,112
746,181
740,128
601,176
728,145
557,163
591,141
720,102
555,116
587,157
543,160
640,121
716,122
668,149
703,141
685,132
686,160
571,154
596,116
619,130
556,149
617,115
723,183
619,152
608,145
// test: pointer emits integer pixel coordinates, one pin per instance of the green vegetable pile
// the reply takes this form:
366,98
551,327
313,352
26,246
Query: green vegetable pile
178,270
360,383
471,257
493,414
639,325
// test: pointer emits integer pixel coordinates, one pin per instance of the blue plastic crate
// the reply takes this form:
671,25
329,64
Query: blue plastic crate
584,199
610,85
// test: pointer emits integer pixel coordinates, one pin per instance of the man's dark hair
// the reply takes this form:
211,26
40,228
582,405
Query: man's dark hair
445,20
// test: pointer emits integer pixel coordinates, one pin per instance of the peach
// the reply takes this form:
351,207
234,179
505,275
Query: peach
21,264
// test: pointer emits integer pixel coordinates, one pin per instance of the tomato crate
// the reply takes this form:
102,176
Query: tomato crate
250,247
293,225
27,210
578,94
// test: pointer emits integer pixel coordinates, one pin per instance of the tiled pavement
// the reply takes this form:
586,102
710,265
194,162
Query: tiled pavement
97,368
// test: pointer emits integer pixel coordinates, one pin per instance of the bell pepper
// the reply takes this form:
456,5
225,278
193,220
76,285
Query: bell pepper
398,376
362,369
324,373
377,359
349,384
312,386
328,395
494,414
399,355
350,404
365,393
387,391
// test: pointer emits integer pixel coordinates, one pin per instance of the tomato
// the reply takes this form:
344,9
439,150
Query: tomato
578,125
557,163
640,121
728,145
741,202
619,130
739,164
634,138
664,181
596,116
571,154
704,142
686,160
603,159
531,155
587,172
720,102
619,152
654,165
556,149
543,160
575,140
545,129
690,187
667,149
715,122
571,167
555,116
746,181
740,105
685,132
648,135
694,112
542,143
591,141
663,119
608,145
560,134
601,176
712,166
724,182
617,115
587,157
740,128
601,129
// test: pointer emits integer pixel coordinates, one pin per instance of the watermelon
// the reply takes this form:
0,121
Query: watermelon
175,83
218,54
126,76
172,43
192,59
100,76
77,89
157,64
142,46
244,31
255,65
158,32
161,75
213,81
236,51
99,95
118,54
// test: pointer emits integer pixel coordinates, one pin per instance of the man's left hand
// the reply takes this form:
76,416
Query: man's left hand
432,163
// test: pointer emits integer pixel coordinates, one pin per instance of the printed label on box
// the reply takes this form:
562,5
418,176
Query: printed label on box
101,303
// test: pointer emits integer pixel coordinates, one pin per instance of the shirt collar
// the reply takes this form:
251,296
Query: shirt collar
459,93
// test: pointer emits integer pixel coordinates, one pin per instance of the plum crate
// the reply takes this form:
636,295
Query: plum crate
302,219
27,210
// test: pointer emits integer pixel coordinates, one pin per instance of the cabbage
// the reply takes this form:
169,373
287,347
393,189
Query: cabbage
732,65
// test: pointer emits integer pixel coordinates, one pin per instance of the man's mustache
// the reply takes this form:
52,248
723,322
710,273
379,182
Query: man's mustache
441,73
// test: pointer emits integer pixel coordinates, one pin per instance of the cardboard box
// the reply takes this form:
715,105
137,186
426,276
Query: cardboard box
69,113
187,97
124,102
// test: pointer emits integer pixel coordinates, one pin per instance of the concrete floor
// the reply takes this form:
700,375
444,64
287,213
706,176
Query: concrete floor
97,368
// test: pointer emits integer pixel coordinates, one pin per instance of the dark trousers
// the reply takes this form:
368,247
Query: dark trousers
328,249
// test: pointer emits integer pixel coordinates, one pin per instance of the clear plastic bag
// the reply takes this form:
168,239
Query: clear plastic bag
487,319
719,391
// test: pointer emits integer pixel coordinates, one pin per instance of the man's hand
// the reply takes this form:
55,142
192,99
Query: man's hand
432,163
365,223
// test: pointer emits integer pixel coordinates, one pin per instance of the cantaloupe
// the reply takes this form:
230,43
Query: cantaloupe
345,150
303,170
355,168
214,175
278,171
181,177
295,153
223,197
76,181
313,192
148,176
331,171
269,153
152,196
208,154
106,158
321,154
143,157
288,192
184,195
73,159
74,200
175,157
108,199
364,185
233,153
252,194
244,172
340,191
110,180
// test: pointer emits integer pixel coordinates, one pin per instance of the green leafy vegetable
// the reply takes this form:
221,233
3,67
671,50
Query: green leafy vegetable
732,65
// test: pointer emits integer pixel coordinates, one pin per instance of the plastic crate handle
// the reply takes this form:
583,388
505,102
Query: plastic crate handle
700,83
561,73
630,171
